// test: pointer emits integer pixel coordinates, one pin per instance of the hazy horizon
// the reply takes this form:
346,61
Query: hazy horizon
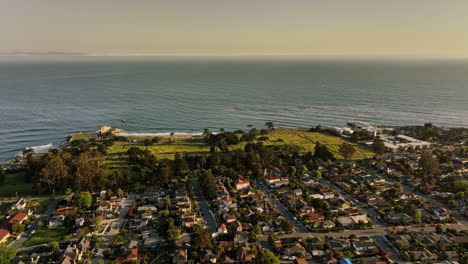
236,28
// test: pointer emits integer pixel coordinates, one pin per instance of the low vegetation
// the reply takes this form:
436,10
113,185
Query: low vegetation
47,236
164,149
14,185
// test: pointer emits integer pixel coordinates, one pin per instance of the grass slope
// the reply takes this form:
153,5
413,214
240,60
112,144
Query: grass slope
14,183
46,236
78,136
117,157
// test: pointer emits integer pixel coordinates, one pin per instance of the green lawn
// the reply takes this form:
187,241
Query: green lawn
117,157
40,204
78,136
46,236
14,184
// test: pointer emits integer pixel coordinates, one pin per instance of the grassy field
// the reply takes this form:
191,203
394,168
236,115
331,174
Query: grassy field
40,204
46,236
78,136
14,184
117,157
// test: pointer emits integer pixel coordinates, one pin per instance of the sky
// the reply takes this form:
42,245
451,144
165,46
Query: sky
236,27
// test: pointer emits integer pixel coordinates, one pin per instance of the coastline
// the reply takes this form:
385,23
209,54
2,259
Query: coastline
46,147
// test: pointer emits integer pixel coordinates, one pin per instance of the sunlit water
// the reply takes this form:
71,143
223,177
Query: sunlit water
43,101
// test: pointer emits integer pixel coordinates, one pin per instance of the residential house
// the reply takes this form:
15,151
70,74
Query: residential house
360,219
242,183
345,221
297,250
363,245
56,221
422,255
79,222
208,257
128,256
180,256
19,205
244,254
4,235
74,252
397,218
147,208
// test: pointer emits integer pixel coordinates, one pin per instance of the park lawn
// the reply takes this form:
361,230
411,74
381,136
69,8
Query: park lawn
117,153
78,136
117,157
46,236
307,141
40,204
14,185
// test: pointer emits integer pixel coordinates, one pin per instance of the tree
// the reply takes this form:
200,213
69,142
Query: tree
54,172
167,201
17,227
173,232
96,241
120,193
269,125
68,191
6,254
208,184
291,171
84,200
347,150
428,164
322,152
317,174
378,146
98,223
255,232
287,226
200,238
265,256
418,217
156,140
148,142
54,247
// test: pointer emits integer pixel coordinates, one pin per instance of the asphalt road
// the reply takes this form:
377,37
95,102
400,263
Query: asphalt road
207,214
298,226
113,228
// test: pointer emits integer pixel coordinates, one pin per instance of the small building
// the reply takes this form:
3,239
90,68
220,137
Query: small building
56,221
79,222
146,208
4,235
19,205
242,184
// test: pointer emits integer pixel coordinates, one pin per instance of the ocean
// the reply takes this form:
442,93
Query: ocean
43,99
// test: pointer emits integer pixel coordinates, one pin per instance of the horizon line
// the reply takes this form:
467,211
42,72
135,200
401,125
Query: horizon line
240,55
